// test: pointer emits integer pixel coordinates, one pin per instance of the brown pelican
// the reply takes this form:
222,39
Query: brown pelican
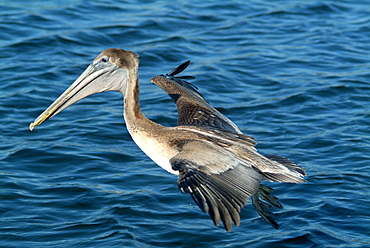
215,163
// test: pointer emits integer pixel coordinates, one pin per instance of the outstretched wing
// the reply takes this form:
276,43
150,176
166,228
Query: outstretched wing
221,200
193,109
219,183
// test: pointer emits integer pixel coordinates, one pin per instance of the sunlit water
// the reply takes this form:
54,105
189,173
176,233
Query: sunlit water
293,74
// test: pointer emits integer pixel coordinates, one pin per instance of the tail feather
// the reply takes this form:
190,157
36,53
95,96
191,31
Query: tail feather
287,163
283,170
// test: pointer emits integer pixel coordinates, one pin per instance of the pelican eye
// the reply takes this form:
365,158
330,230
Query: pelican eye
104,59
102,63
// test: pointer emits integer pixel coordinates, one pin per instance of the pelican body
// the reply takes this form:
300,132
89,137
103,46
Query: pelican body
215,163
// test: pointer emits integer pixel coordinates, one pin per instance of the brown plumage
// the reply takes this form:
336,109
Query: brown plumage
217,164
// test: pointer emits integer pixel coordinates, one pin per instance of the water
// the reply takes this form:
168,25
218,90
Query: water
293,74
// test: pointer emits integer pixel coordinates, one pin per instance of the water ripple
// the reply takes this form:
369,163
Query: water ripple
293,74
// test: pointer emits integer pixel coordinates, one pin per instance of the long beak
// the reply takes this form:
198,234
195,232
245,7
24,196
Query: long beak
92,80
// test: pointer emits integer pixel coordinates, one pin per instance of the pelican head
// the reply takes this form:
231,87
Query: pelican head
107,72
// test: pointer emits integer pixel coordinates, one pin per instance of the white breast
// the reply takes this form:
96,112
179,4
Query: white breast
160,153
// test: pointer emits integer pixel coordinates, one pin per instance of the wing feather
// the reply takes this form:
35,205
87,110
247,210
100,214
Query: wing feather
221,188
193,109
220,193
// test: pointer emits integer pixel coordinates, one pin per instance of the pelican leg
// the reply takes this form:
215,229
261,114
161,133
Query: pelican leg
263,201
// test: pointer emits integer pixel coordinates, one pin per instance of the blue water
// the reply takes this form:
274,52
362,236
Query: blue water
293,74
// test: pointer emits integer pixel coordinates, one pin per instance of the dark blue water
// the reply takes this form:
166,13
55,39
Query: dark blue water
293,74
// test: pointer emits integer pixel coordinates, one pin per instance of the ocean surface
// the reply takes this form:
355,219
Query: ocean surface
293,74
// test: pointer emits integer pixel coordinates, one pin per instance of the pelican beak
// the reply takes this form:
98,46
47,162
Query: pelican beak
94,79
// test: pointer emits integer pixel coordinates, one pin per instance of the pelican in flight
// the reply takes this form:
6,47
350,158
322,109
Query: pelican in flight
215,163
